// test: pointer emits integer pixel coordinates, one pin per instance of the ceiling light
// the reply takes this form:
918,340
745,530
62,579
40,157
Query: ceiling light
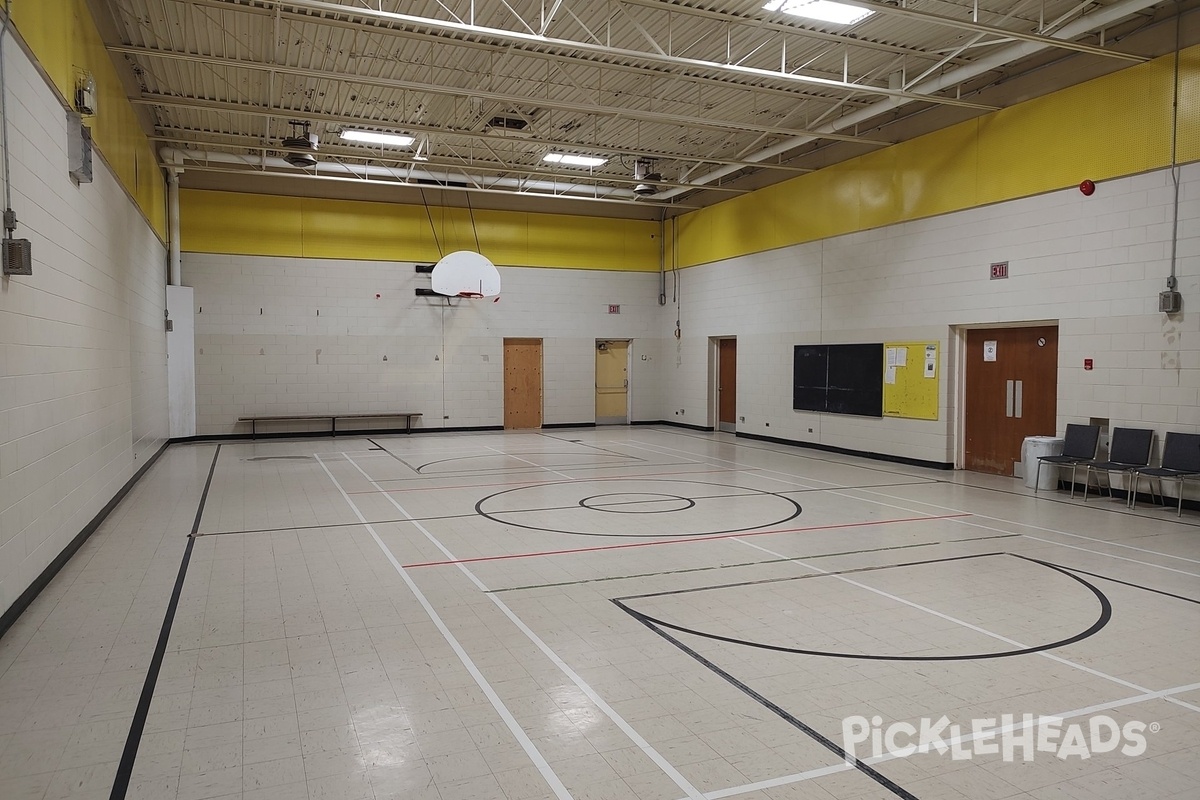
377,137
823,10
575,160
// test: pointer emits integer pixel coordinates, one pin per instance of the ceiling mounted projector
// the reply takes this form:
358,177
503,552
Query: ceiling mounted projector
641,172
301,139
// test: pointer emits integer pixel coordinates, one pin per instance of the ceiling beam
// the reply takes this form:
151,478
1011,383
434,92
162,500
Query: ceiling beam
994,30
681,120
571,46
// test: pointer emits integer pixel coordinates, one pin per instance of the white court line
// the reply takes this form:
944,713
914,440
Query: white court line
1043,654
962,521
648,749
1110,555
556,785
525,461
985,733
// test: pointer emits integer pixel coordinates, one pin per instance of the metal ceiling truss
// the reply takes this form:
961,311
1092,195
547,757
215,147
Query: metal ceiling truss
488,87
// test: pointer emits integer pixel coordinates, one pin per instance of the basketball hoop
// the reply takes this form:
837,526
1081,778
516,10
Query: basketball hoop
470,295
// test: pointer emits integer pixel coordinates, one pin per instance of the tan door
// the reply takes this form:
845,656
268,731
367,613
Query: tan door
727,385
612,383
1011,397
522,383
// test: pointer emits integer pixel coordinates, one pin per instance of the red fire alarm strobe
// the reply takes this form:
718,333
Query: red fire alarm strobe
1087,364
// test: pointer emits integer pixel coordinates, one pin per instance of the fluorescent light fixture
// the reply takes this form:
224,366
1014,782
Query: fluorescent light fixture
823,10
377,137
575,160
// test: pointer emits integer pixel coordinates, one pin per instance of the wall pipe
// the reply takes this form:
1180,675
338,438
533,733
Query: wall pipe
176,267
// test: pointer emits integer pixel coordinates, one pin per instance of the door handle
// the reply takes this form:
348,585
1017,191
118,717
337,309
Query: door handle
1019,392
1008,398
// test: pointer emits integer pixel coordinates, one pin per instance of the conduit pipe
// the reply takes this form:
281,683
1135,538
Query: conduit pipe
176,268
259,164
1099,19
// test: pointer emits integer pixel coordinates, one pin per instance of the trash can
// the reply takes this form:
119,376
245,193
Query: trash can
1033,448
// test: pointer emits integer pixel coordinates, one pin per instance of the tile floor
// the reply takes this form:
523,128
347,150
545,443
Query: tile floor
601,614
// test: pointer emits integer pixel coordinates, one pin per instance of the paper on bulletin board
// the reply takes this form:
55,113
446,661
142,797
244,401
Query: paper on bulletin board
911,393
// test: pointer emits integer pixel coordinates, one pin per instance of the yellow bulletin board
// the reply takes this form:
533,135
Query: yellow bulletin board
910,380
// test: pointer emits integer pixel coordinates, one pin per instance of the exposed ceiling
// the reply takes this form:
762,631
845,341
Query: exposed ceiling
711,97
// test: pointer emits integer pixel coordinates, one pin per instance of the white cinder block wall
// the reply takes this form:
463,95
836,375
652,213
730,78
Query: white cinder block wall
83,390
261,346
1095,265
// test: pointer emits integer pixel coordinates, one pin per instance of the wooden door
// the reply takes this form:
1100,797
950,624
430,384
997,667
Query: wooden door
522,383
612,383
1011,397
727,385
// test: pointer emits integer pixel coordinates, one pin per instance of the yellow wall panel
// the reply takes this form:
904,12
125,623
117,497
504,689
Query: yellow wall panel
224,222
66,44
1116,125
227,222
355,230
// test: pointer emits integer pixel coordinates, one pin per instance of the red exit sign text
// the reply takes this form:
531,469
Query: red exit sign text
999,270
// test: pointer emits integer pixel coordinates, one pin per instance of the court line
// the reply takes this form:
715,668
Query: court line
1059,659
459,473
748,564
1131,585
685,540
1110,555
530,463
849,761
381,490
539,761
129,753
911,502
986,733
659,760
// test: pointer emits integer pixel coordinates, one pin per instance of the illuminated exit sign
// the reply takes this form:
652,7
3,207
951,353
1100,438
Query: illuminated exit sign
999,270
614,309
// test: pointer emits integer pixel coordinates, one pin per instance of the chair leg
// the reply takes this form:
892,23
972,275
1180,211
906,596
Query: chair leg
1087,482
1073,468
1132,503
1037,479
1179,506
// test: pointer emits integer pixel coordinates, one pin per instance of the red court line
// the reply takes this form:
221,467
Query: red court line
547,483
688,540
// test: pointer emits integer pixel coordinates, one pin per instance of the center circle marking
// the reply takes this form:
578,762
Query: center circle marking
636,502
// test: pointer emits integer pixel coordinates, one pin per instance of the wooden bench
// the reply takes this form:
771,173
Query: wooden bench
333,418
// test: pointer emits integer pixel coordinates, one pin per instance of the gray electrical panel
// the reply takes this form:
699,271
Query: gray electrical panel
79,149
17,257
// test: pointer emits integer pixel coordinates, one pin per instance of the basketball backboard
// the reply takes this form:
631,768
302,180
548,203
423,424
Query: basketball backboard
465,273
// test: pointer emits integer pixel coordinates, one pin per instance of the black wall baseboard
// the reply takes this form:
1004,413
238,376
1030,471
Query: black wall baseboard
18,607
846,451
234,437
569,425
669,423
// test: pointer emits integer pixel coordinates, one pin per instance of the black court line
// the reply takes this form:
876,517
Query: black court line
393,455
582,443
471,515
848,488
517,456
1107,578
1040,496
505,471
1101,621
744,564
807,730
834,573
129,754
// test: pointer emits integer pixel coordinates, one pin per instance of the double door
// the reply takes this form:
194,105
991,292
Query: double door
1011,393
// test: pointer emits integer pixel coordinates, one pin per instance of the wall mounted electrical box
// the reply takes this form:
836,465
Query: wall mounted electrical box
1170,302
17,257
79,149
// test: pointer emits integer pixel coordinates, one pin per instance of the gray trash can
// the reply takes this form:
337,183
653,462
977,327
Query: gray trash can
1033,448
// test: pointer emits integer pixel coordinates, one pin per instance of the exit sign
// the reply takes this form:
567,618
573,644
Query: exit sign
614,309
999,270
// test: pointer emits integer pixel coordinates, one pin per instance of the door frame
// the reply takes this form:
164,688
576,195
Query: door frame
714,381
628,378
958,335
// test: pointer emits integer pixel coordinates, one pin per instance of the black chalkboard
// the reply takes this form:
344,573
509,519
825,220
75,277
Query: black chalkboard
838,378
